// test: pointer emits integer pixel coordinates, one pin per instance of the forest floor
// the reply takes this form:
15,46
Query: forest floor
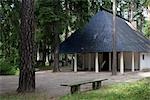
48,83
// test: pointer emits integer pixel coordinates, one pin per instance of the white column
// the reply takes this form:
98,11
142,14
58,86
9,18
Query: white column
121,63
89,67
141,61
133,62
96,63
47,62
109,61
38,54
75,63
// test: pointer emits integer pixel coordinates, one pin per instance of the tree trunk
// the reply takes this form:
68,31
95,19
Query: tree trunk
131,10
27,72
56,53
56,30
66,57
67,30
44,52
114,67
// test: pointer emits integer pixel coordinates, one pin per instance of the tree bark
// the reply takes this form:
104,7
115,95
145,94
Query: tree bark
56,46
56,53
44,52
67,30
56,31
131,10
27,72
114,67
66,56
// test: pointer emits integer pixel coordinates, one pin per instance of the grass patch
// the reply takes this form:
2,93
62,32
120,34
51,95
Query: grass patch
42,68
139,90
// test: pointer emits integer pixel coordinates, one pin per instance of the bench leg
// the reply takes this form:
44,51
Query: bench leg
96,85
75,89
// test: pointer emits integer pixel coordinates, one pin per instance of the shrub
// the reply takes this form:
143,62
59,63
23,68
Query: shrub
6,68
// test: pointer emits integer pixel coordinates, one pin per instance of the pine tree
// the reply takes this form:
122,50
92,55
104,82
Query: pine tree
27,73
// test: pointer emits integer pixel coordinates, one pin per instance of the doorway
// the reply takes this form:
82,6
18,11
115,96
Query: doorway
105,63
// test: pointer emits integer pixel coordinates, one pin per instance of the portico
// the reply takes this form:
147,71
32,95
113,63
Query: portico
99,62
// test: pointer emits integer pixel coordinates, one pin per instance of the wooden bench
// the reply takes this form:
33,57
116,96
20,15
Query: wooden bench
75,87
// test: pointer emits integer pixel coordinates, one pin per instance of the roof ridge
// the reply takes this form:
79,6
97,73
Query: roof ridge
110,11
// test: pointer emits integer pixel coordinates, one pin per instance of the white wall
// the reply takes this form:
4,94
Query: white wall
144,61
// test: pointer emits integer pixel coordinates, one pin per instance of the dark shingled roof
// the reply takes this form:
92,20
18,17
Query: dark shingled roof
96,36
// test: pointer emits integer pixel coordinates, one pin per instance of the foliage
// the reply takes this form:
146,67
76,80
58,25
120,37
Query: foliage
147,29
147,2
60,17
139,90
9,35
50,18
7,68
9,10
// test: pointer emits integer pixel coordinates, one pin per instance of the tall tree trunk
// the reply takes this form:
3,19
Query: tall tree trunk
66,57
67,30
131,10
114,67
44,52
56,30
27,72
56,53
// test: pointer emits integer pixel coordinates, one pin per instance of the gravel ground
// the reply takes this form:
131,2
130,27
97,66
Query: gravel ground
49,83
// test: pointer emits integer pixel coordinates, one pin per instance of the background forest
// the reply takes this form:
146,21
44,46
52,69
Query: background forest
56,20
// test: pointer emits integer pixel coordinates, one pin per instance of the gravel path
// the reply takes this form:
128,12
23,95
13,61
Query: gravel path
49,83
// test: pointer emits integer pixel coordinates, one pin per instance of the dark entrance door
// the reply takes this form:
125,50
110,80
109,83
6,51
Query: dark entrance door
106,60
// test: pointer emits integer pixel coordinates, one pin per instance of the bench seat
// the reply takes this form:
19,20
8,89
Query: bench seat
75,87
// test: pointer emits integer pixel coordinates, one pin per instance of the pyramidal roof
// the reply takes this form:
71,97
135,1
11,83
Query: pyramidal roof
96,36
